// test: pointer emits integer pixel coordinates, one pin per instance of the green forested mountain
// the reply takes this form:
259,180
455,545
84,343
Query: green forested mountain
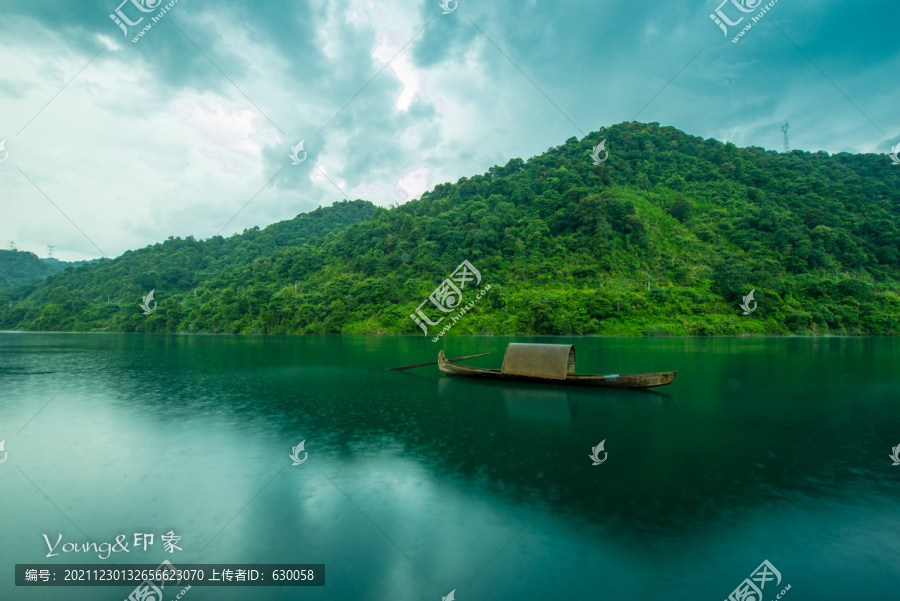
18,266
665,237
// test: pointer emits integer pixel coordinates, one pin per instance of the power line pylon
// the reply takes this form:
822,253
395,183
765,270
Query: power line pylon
787,146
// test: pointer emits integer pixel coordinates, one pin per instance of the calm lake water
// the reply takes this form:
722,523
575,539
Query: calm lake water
417,484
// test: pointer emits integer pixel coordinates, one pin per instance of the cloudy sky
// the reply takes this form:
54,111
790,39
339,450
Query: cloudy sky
113,144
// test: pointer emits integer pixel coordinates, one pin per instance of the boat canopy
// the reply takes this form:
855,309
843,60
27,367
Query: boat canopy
553,361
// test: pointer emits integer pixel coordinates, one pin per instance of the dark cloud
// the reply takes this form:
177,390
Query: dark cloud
488,82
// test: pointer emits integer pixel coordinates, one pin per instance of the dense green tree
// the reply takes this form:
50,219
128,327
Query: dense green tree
18,266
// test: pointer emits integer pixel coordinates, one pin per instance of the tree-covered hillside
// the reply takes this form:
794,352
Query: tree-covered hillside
18,266
665,237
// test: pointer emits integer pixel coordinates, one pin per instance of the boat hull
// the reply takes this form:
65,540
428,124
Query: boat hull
647,380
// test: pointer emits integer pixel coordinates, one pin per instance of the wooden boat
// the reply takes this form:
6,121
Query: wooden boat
551,364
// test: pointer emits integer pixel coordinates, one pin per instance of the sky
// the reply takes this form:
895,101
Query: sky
113,141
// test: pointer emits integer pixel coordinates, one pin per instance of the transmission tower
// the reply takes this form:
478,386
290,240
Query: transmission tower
50,251
12,245
787,146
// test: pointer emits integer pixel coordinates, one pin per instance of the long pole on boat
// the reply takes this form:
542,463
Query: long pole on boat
434,362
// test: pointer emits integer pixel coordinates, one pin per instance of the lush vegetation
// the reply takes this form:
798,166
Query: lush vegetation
665,237
18,266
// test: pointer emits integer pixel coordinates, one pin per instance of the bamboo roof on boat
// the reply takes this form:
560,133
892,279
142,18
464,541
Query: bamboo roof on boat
552,361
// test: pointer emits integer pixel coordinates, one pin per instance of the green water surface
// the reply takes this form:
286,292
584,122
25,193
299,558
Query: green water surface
416,484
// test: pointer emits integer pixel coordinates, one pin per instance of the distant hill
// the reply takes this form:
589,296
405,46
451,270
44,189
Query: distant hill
179,265
667,236
18,266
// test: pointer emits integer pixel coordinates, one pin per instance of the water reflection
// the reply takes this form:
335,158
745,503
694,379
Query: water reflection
548,407
747,423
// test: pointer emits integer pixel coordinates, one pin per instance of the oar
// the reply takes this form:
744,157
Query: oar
433,362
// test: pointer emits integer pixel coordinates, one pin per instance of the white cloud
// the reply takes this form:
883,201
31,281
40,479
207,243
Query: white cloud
224,127
133,151
107,42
